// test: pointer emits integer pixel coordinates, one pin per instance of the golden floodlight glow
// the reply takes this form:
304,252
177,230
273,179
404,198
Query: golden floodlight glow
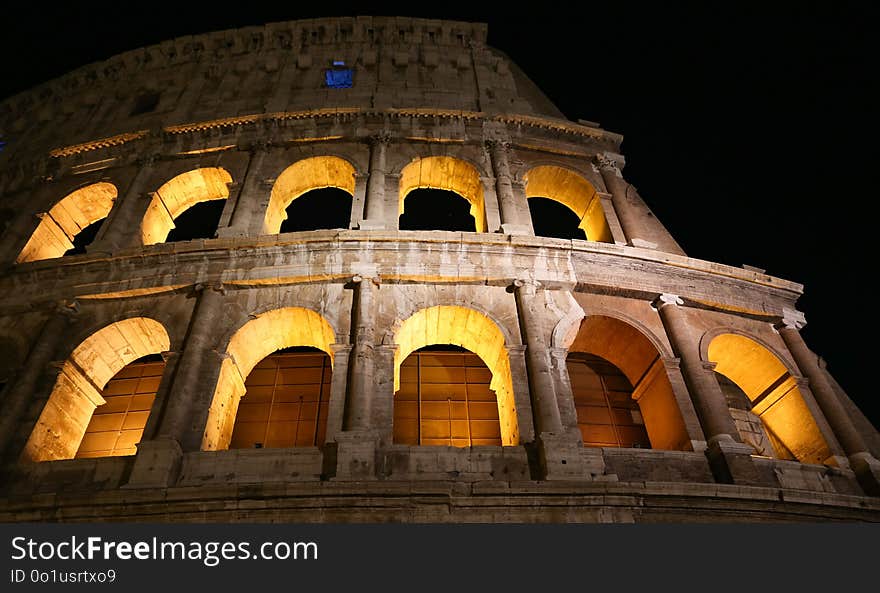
301,177
254,341
77,391
473,331
451,174
774,394
66,219
178,195
571,190
629,350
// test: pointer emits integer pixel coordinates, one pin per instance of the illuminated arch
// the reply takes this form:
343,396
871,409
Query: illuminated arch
254,341
301,177
573,191
448,173
472,330
639,359
773,394
178,195
77,391
66,219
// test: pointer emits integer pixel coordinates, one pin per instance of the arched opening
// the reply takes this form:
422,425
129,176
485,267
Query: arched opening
609,363
436,210
770,412
199,221
552,219
79,213
441,173
82,386
303,177
265,335
607,414
317,209
191,201
117,425
285,402
572,191
445,399
448,383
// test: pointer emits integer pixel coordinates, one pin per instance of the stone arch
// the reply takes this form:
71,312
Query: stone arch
77,391
178,195
474,331
258,338
566,328
662,347
446,173
66,219
711,334
573,191
627,345
303,176
774,396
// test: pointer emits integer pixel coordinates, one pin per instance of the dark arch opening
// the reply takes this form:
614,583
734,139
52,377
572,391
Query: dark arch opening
325,208
200,221
552,219
286,401
85,238
436,210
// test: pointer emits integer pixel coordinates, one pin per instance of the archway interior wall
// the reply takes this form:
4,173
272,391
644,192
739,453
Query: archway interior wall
447,173
64,221
179,194
301,177
257,339
774,393
470,329
573,191
629,350
77,391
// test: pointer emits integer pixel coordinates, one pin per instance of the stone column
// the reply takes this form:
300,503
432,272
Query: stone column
252,199
21,392
529,301
559,453
564,395
375,208
122,228
158,461
358,200
863,463
511,211
729,458
338,383
356,443
617,234
617,187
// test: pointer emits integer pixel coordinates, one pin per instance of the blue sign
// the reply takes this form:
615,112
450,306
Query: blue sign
338,79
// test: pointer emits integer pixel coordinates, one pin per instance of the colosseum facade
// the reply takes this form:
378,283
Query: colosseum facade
362,269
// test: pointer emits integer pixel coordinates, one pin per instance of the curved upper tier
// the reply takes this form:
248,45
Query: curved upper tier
365,62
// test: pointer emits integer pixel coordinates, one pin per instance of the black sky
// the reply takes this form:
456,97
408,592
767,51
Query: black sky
749,128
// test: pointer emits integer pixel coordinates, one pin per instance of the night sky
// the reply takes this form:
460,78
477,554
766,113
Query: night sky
749,130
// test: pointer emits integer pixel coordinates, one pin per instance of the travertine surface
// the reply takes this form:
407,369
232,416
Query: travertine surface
244,116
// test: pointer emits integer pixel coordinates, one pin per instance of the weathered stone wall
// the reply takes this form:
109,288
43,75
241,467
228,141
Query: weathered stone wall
266,110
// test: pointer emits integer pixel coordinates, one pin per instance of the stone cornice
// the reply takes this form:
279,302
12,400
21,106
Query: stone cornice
97,144
291,259
37,168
